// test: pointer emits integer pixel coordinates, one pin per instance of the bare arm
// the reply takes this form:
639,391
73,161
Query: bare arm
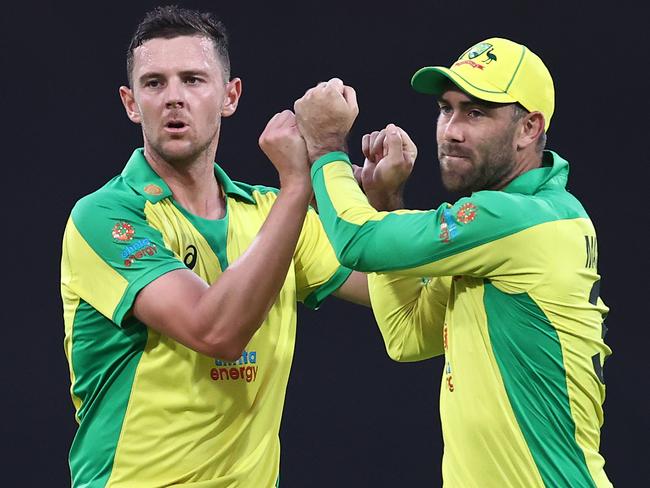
355,289
220,319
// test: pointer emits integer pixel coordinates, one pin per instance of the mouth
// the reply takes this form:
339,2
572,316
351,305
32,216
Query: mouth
176,126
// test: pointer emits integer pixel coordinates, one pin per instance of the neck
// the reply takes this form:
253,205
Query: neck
192,182
522,164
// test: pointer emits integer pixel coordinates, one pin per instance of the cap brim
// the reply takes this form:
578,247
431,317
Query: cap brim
431,80
434,80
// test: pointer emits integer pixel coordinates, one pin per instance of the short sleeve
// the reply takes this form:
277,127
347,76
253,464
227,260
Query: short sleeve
110,253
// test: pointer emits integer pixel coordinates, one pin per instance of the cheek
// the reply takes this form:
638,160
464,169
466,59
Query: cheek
210,107
440,133
146,107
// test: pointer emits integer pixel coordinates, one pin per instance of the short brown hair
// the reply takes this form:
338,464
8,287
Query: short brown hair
172,21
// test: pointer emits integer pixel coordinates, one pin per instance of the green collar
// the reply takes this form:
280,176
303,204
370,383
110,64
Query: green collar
554,172
144,180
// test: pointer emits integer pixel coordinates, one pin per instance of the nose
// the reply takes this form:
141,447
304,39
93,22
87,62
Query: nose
174,95
451,129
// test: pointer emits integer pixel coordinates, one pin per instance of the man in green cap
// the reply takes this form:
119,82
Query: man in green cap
503,282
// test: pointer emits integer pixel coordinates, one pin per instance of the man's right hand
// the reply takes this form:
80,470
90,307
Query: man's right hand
325,115
284,146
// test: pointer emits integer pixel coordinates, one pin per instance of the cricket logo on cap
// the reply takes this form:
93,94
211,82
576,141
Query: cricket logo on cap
482,48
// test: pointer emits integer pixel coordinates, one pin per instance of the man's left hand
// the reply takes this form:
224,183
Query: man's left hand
390,156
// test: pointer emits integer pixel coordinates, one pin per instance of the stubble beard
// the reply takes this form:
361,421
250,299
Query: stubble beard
187,156
495,162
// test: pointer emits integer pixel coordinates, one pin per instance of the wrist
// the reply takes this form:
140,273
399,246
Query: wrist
298,184
334,144
387,202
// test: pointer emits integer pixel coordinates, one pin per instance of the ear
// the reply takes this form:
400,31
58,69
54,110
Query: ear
532,127
231,97
131,107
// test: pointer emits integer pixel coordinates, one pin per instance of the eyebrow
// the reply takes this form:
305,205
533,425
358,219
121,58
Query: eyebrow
476,102
184,73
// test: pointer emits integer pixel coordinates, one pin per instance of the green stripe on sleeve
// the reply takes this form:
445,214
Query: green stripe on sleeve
527,349
328,158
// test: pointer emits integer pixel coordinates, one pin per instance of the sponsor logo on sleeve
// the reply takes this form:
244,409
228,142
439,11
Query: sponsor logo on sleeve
242,370
138,250
449,380
448,228
123,232
466,213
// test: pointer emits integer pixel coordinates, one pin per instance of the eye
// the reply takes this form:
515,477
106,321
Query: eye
474,113
444,109
152,83
192,80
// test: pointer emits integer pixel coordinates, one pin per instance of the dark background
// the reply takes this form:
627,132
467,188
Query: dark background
352,416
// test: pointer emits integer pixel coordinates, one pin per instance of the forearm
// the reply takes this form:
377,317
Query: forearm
387,202
439,242
234,307
355,289
352,224
410,313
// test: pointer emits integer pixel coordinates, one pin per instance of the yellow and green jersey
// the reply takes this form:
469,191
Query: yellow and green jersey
152,412
505,285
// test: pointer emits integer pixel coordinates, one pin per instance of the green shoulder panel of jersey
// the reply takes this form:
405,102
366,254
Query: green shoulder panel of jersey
108,240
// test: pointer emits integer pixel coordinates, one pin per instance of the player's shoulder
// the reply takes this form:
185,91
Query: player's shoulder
260,194
251,189
114,197
543,206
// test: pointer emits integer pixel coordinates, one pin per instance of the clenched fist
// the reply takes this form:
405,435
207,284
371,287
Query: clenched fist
325,115
284,146
390,155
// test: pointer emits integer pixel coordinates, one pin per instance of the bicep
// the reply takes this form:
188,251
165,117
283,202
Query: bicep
169,305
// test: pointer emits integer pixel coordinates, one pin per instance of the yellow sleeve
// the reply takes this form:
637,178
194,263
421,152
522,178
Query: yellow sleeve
410,313
318,272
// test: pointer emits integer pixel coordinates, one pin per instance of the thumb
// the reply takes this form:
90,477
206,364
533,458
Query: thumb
356,169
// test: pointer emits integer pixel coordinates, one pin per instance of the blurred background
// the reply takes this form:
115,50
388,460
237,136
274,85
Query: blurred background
352,416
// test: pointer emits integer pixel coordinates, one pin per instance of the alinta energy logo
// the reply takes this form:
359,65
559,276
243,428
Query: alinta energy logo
138,250
124,232
244,369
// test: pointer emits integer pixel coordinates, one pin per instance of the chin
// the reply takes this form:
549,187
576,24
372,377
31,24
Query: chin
452,181
178,150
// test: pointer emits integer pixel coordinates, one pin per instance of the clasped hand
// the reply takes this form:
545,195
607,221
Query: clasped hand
323,118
